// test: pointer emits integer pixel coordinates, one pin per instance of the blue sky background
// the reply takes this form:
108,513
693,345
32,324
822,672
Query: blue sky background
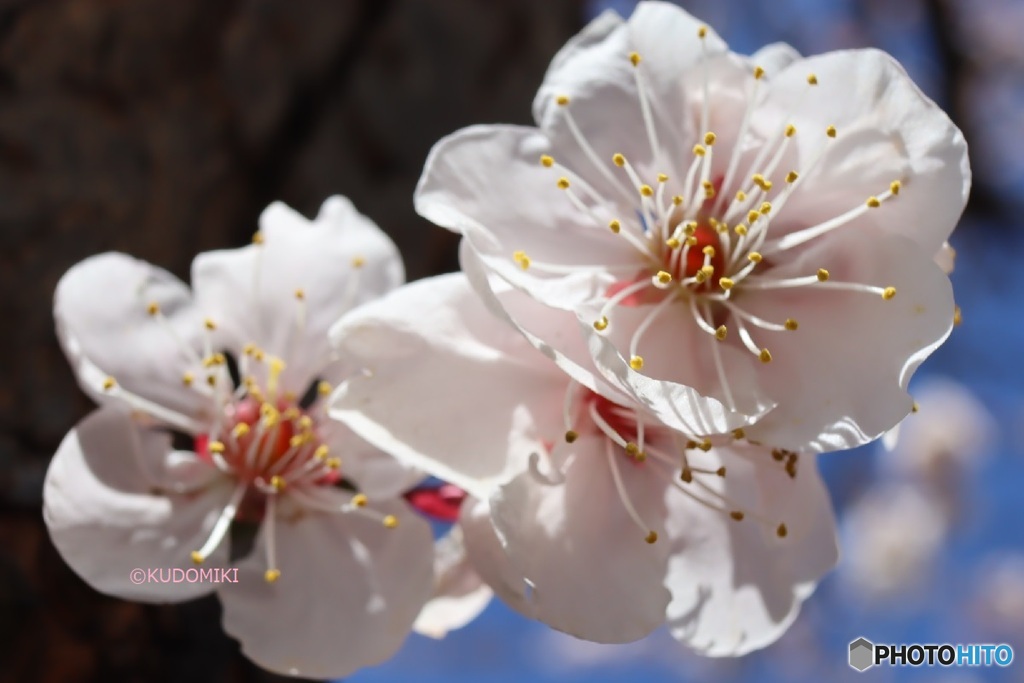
971,63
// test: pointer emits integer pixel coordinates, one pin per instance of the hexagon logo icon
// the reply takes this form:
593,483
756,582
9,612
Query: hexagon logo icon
862,654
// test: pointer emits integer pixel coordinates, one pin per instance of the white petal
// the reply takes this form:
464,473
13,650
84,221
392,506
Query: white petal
945,258
347,596
775,57
101,311
488,557
887,130
107,514
460,595
840,379
593,574
451,389
338,260
736,586
373,471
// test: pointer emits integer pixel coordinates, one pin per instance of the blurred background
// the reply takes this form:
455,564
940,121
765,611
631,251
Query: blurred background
162,128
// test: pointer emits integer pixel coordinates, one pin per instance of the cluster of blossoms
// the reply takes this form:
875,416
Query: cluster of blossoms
699,271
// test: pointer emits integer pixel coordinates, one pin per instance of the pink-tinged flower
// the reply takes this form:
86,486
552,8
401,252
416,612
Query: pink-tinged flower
460,594
717,222
585,511
334,578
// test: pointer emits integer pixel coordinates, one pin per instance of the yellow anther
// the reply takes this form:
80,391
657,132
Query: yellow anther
209,324
709,138
914,408
720,471
699,150
709,189
662,178
673,243
677,200
632,449
790,324
215,447
708,251
636,362
571,436
249,349
755,257
765,356
766,207
197,557
271,575
957,315
324,388
300,294
109,383
740,229
333,463
547,160
257,237
873,202
761,182
738,433
888,293
782,531
691,241
277,482
758,72
239,430
721,333
211,380
305,423
812,79
358,262
664,277
320,454
187,379
615,226
686,475
726,283
359,500
792,176
790,130
822,275
563,183
618,159
562,100
602,324
700,276
702,32
634,58
741,196
708,270
737,515
296,440
651,537
752,216
895,186
690,228
522,259
646,191
390,522
705,444
830,131
153,308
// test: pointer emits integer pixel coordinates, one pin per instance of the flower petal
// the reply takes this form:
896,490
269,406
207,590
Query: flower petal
522,209
285,293
435,356
347,596
736,586
460,595
489,559
887,130
112,523
373,471
840,379
593,574
101,311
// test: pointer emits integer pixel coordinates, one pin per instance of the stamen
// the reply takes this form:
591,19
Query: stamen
645,107
273,573
641,330
650,535
221,526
